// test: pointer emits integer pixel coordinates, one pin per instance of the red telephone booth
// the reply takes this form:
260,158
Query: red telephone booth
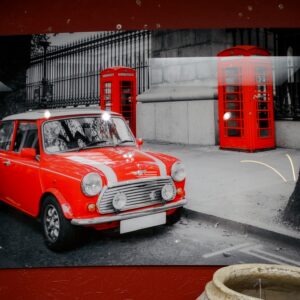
118,93
246,113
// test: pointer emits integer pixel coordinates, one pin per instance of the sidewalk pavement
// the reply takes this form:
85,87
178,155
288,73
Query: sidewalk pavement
221,184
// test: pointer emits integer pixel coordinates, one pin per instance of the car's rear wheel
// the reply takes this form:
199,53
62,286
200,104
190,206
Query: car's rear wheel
59,233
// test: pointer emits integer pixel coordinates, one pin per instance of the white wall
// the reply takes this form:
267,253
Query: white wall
187,122
180,106
287,134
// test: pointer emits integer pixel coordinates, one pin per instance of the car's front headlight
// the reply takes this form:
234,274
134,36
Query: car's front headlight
178,171
168,192
91,184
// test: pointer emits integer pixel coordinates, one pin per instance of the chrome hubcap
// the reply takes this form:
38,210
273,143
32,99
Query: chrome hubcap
51,223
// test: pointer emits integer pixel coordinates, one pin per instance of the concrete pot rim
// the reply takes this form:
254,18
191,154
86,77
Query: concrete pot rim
222,276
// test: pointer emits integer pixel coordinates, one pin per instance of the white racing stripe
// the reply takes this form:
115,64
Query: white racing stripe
160,164
106,170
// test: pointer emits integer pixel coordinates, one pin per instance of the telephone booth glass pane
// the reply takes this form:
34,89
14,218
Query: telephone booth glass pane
126,100
263,102
107,96
233,102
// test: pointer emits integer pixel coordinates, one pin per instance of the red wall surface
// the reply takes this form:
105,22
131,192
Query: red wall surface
32,16
25,17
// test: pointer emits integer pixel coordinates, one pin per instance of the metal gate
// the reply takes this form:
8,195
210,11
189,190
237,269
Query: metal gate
72,70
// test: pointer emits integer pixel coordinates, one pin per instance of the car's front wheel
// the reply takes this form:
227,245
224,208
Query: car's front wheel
175,217
59,233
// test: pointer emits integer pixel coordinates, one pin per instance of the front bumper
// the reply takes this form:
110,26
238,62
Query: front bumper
129,215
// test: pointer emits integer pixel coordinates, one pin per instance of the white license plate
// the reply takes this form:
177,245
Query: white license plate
142,222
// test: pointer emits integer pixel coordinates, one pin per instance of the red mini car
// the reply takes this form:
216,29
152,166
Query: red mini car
83,167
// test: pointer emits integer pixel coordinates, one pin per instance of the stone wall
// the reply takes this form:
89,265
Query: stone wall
180,106
181,78
207,42
287,134
190,42
186,122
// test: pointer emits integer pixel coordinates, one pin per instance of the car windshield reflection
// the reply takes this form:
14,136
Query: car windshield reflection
81,133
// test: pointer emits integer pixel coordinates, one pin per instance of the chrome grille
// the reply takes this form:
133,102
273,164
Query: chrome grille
137,193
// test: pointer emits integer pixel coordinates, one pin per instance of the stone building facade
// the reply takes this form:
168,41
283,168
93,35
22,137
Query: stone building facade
181,105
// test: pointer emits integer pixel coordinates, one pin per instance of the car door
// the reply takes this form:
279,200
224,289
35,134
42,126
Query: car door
6,137
24,187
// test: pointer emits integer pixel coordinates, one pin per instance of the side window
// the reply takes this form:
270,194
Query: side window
26,137
6,133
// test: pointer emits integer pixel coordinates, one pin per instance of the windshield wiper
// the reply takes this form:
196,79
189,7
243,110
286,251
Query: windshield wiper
87,146
123,141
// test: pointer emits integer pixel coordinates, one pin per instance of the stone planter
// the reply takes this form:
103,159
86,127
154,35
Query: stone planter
254,281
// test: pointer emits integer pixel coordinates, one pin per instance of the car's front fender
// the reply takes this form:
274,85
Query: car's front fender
65,206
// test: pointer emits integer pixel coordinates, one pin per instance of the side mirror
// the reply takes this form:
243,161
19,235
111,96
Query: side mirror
28,152
140,142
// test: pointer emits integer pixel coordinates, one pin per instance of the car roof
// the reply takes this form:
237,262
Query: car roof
61,112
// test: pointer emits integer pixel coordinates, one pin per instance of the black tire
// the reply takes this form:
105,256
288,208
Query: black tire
3,205
175,217
59,233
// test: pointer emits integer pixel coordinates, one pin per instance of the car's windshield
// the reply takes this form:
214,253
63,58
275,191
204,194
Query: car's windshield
85,132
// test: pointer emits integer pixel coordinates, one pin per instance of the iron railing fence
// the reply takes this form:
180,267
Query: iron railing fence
72,70
287,101
286,74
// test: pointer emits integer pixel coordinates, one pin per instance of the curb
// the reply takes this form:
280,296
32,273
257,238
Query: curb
245,228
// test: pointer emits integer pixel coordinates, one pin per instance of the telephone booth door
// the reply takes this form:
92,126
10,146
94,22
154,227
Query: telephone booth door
246,115
261,93
232,106
118,93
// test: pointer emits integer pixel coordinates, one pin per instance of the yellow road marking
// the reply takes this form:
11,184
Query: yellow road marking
292,165
266,165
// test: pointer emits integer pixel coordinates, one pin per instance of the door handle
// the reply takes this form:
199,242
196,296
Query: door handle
7,163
